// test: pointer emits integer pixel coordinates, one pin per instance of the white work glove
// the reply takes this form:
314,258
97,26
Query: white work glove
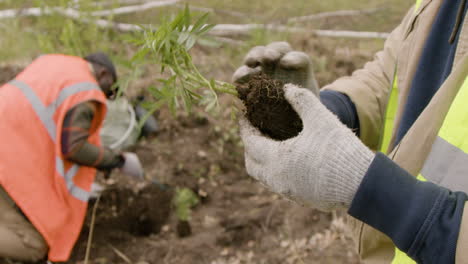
132,166
321,167
96,190
280,62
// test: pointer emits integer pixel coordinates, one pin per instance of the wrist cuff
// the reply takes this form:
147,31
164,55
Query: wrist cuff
421,218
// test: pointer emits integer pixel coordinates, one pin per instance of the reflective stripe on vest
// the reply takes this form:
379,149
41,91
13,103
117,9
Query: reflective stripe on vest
392,105
447,163
46,115
390,114
417,5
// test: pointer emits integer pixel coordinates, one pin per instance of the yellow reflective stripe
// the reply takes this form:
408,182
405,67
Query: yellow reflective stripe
402,258
454,129
421,178
390,114
417,5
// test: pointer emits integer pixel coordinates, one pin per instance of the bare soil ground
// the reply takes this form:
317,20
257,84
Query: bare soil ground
237,220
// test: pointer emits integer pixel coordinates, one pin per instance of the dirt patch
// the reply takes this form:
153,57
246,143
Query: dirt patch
8,73
237,220
123,209
267,108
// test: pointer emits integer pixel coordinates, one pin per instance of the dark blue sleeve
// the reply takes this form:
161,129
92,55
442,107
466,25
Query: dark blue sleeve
341,106
422,219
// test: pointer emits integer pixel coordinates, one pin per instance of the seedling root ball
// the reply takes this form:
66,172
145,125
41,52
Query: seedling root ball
267,109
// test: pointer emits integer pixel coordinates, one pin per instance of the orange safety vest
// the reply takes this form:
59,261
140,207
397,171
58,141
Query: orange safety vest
51,191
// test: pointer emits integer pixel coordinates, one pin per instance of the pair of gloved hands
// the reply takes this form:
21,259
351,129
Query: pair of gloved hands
131,167
324,165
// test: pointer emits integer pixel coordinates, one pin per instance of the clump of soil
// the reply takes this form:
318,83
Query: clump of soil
183,229
267,109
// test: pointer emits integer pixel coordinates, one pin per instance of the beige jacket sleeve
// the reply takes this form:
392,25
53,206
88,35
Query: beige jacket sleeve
369,87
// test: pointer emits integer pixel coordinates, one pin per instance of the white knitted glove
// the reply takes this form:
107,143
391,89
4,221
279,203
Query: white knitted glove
322,166
132,166
280,62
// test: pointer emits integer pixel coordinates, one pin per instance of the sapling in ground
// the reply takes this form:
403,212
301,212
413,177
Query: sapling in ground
169,46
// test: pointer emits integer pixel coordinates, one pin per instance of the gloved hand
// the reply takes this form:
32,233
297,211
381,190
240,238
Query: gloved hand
280,62
132,166
322,167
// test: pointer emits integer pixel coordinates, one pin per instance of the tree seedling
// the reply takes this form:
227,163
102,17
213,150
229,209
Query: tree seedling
168,46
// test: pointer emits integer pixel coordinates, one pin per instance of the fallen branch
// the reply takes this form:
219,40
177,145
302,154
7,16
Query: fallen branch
153,4
223,31
229,30
70,13
339,13
350,34
230,41
134,8
73,13
215,10
12,13
120,2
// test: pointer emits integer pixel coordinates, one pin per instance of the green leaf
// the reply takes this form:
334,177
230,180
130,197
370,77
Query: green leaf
183,37
190,42
206,28
168,47
188,102
200,22
194,94
156,93
140,55
213,83
211,105
186,15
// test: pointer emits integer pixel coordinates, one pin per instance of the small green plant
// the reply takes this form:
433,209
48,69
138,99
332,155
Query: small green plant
169,46
184,200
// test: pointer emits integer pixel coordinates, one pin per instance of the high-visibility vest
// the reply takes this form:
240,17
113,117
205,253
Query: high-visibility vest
51,191
385,140
447,163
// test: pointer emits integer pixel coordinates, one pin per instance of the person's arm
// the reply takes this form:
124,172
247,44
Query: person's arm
75,145
340,105
421,218
369,87
388,186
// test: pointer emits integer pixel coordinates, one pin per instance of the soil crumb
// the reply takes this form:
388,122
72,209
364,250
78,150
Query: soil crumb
183,229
